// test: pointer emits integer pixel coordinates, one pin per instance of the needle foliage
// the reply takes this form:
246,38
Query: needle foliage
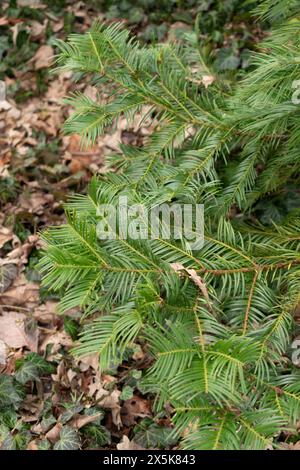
220,337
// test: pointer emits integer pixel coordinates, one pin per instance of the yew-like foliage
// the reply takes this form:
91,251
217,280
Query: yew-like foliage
222,351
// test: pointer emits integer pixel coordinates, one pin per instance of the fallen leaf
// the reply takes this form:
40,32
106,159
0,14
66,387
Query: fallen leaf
58,339
126,444
207,80
4,20
30,3
135,407
112,402
43,58
13,331
22,292
54,433
3,353
81,420
8,272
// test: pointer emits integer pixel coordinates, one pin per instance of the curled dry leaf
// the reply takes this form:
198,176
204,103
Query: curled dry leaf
112,402
54,433
135,407
43,58
21,293
46,312
8,272
207,80
13,331
178,268
5,235
3,353
92,360
58,339
81,420
126,444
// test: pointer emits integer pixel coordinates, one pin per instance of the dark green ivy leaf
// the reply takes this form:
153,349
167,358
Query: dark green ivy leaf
69,440
149,434
10,392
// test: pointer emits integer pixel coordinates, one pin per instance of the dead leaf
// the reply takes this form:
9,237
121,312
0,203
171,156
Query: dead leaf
136,407
92,360
295,446
207,80
33,445
81,420
37,29
112,402
58,339
54,433
178,267
3,353
46,312
43,58
8,272
198,281
22,292
30,3
126,444
4,20
13,331
34,203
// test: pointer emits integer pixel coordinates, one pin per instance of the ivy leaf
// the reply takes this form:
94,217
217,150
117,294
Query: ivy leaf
10,393
9,443
43,366
227,60
44,445
127,393
31,367
69,440
70,412
27,373
149,434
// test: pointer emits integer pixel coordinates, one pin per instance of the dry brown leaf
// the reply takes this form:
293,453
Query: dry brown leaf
295,446
43,57
35,202
32,407
38,29
135,407
46,312
13,331
4,20
92,360
54,433
112,402
8,273
207,80
33,445
58,339
22,292
198,281
29,3
178,267
126,444
5,235
80,420
3,352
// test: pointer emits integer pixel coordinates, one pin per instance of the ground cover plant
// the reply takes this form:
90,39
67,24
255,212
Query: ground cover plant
219,322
